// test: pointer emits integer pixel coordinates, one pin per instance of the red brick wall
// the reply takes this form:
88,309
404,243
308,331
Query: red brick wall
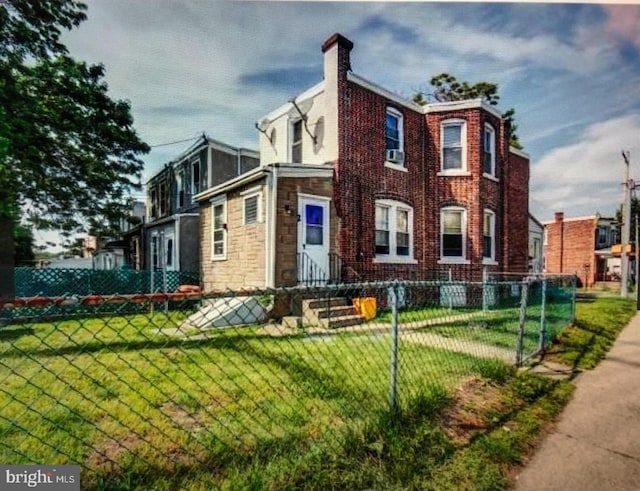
361,178
516,214
570,246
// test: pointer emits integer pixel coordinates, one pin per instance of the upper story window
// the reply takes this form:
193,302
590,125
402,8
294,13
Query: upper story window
219,228
489,236
453,145
296,142
394,137
162,199
153,212
195,177
394,231
453,227
180,188
489,151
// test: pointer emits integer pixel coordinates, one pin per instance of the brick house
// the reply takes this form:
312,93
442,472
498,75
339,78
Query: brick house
580,245
358,183
169,239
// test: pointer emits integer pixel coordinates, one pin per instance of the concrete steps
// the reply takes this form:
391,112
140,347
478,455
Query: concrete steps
329,313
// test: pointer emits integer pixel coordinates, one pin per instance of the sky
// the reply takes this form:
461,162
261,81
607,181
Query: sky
571,71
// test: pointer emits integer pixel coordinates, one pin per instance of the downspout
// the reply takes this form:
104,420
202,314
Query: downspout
270,232
178,240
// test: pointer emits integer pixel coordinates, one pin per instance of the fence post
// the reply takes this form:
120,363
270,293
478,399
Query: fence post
573,298
524,298
485,293
543,318
394,292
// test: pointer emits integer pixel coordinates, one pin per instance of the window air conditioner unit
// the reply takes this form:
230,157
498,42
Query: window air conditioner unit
395,156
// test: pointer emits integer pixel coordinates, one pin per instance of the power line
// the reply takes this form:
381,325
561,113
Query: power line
175,142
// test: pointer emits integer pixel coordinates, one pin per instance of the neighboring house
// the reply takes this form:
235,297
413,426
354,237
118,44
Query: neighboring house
358,183
581,245
111,256
536,236
170,238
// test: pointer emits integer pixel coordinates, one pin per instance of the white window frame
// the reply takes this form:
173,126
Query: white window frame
489,130
463,146
463,226
299,142
491,259
219,201
258,197
399,164
393,257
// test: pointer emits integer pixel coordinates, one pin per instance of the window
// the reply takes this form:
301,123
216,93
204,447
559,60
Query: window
169,256
155,262
603,236
489,235
394,231
394,136
452,139
489,156
219,229
162,199
453,224
534,248
195,177
251,205
296,142
382,229
153,213
180,188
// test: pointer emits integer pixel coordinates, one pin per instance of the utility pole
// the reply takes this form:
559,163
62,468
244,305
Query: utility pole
626,223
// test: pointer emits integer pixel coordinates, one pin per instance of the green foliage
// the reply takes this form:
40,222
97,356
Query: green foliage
24,244
496,370
67,150
447,87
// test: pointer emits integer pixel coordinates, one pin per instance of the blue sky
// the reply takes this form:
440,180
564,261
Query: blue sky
571,71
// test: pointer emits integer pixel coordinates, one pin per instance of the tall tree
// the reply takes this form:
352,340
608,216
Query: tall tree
69,155
446,88
24,244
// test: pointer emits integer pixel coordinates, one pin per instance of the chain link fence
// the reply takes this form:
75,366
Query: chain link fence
51,282
194,382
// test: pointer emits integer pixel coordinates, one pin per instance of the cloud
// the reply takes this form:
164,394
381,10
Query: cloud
623,23
585,177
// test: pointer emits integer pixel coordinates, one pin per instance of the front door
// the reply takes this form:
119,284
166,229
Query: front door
313,240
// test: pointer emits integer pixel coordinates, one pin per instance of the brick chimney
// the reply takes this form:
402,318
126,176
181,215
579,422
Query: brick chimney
337,62
559,216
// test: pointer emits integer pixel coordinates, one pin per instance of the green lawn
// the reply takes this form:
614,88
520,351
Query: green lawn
135,406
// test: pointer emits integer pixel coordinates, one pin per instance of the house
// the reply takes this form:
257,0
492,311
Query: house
170,237
581,245
358,183
536,237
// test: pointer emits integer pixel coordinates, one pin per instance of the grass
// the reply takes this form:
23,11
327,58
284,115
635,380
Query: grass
598,323
133,404
242,409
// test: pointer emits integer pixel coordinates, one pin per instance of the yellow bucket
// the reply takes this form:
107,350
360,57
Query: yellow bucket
366,307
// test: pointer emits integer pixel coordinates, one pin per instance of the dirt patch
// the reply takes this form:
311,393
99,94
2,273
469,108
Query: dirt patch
476,403
106,454
181,417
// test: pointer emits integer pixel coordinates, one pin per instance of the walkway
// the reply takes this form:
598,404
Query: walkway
596,444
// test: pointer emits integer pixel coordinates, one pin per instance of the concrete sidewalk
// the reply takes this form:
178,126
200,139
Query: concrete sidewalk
596,444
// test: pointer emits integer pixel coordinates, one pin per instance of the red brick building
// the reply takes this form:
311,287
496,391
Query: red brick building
579,245
358,183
